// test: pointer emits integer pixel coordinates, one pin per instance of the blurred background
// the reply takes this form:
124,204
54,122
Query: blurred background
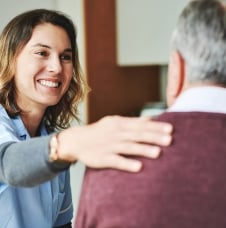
124,51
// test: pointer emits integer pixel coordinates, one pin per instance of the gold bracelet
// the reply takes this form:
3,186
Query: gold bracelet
53,153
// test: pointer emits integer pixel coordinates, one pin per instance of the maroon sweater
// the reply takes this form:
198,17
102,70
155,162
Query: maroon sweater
184,188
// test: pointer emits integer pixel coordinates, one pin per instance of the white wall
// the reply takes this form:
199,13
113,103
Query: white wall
144,28
10,8
73,8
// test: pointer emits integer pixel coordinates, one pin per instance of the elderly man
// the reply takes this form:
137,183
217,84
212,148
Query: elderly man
186,186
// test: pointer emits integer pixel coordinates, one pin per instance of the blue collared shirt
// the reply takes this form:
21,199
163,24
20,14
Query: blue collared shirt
44,206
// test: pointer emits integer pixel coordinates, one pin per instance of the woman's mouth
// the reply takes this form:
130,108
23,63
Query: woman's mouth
49,84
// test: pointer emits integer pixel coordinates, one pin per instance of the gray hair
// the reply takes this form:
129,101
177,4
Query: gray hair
200,38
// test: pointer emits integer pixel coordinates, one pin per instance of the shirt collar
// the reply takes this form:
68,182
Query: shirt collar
203,99
22,131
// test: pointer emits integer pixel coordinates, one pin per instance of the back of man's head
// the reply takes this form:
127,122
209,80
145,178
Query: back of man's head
200,38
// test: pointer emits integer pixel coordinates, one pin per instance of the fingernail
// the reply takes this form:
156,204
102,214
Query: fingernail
155,152
167,140
168,128
136,166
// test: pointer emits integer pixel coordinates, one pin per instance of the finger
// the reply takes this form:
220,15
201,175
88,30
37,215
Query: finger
138,149
160,127
142,123
124,164
146,136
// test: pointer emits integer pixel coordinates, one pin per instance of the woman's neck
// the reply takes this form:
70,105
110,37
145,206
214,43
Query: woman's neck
32,121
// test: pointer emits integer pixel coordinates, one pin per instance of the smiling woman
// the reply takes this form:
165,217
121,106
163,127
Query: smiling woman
41,86
49,72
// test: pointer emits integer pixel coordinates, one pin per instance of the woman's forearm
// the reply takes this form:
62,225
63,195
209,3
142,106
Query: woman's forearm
26,163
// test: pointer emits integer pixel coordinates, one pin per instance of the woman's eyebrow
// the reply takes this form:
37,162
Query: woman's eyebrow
49,47
41,45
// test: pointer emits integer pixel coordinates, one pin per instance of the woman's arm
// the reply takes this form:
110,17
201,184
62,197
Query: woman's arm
104,144
26,163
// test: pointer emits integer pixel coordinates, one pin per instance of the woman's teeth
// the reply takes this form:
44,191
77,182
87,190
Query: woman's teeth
49,83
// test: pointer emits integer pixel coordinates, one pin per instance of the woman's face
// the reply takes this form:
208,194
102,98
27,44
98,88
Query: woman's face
44,68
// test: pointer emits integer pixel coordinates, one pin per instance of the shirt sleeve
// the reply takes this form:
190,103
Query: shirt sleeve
26,163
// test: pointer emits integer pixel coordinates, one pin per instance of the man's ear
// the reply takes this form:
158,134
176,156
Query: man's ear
176,77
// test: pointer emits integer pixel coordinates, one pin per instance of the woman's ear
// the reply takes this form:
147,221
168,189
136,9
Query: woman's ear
176,77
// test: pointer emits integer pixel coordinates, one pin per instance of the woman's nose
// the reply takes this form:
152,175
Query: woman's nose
54,65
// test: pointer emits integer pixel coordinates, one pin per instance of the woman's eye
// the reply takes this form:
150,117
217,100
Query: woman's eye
41,53
65,57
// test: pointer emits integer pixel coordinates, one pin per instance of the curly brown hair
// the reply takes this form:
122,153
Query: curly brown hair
13,38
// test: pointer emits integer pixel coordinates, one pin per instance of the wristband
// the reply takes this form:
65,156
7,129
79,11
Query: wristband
53,153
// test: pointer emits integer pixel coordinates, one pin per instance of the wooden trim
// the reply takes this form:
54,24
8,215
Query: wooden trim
115,90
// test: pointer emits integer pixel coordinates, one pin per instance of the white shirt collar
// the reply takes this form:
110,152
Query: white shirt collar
203,99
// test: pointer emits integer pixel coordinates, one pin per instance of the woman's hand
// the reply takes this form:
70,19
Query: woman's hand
102,144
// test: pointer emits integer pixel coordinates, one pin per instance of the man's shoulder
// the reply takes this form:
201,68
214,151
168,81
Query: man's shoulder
195,115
